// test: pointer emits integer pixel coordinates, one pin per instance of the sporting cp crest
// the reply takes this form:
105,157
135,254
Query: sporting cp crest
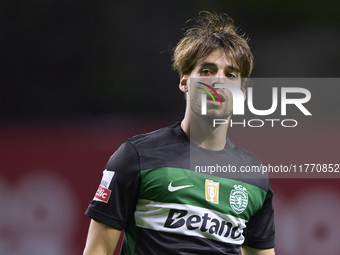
238,199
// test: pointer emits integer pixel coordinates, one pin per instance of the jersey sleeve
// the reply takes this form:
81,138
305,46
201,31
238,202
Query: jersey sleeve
117,194
260,231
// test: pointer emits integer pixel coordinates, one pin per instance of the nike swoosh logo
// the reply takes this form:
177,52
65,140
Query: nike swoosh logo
172,189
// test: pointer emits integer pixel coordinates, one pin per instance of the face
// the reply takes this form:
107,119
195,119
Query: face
217,68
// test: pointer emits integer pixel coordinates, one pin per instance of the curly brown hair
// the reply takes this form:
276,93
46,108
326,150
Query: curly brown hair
213,31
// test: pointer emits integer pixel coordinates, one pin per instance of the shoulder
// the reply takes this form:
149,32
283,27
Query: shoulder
246,156
252,167
157,139
143,150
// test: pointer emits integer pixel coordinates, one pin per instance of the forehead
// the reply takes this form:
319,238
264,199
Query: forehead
219,58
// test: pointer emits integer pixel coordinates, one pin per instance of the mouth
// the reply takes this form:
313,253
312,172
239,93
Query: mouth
217,100
214,97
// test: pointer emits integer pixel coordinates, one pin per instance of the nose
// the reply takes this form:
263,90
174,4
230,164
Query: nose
220,74
219,78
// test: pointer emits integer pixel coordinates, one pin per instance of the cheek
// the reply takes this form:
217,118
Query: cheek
193,94
236,83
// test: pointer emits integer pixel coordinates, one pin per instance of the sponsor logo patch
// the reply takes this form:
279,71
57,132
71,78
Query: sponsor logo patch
189,220
203,223
211,191
103,193
238,199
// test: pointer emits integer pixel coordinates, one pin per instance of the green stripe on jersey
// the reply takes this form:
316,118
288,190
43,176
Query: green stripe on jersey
175,185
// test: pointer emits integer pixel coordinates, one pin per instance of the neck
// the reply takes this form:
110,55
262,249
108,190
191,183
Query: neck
201,131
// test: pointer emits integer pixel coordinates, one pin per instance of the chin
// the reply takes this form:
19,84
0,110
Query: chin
211,115
218,114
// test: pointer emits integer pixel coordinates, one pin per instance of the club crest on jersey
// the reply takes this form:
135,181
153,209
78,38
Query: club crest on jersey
211,191
238,199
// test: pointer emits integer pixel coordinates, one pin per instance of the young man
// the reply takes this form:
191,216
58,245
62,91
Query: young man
150,187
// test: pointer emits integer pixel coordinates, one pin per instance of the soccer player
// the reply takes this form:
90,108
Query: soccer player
156,186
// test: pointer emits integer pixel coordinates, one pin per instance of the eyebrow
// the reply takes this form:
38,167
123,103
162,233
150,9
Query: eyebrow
230,67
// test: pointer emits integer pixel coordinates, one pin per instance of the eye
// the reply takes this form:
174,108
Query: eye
231,75
206,72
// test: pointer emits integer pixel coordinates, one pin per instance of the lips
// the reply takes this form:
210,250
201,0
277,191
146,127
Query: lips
216,98
215,95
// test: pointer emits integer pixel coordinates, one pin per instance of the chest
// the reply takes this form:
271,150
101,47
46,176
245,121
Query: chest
186,188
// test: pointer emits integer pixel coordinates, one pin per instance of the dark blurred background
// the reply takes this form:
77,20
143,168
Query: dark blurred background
79,77
88,59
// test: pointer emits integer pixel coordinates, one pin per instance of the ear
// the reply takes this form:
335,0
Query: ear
183,84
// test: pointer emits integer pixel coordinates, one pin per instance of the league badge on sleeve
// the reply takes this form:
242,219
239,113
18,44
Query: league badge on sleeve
103,193
238,199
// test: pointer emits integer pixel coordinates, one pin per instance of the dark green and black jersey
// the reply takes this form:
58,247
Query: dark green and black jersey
151,189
